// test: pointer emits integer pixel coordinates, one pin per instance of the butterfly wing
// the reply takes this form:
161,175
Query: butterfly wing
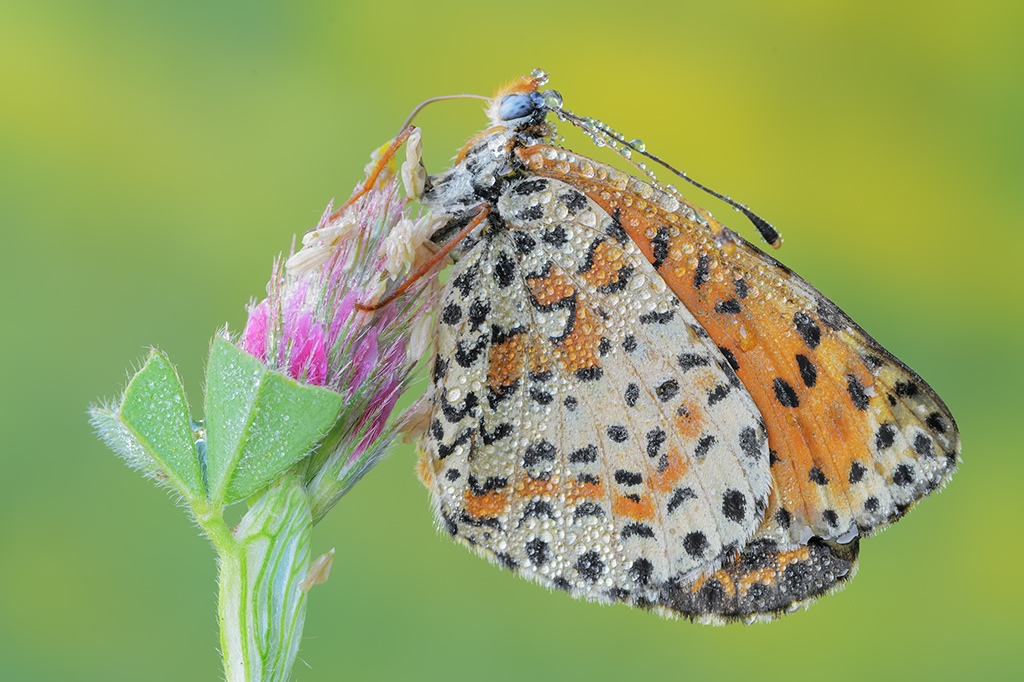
857,437
586,431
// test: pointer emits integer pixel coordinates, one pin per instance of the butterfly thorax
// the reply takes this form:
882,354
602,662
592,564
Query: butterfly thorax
482,176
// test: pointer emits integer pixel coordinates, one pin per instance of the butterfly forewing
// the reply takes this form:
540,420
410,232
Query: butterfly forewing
856,436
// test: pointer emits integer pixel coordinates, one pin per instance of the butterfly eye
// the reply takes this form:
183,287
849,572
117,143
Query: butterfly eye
516,106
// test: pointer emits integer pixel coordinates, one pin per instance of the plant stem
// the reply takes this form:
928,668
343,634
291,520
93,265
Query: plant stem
261,607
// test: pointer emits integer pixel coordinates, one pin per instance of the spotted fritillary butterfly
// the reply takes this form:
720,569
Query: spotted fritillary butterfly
632,403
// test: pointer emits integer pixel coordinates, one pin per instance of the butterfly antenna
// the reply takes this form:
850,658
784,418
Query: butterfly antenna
419,107
596,128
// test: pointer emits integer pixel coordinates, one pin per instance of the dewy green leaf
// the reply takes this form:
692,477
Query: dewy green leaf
154,417
258,422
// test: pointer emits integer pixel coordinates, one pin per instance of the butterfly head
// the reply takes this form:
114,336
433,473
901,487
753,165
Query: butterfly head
521,105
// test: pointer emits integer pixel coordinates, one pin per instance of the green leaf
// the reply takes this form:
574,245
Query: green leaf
152,428
258,422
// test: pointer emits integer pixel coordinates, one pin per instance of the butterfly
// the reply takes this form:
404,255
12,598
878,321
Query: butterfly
631,403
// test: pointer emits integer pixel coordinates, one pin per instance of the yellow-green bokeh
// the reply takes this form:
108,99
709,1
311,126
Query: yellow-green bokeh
154,157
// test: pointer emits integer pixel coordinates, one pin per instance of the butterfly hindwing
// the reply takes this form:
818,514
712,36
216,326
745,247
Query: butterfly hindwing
586,430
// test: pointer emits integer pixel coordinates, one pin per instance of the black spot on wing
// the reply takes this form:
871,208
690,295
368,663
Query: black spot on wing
808,372
504,270
749,443
690,360
667,390
729,307
589,373
885,436
638,529
440,369
808,329
695,544
588,260
464,281
717,394
444,451
904,475
587,509
702,273
538,396
496,396
454,414
530,187
491,483
730,358
679,496
590,566
618,433
465,355
657,318
530,213
906,389
538,509
587,455
655,439
615,230
785,394
574,201
524,242
619,285
734,505
538,552
623,477
537,452
923,445
451,314
857,394
555,236
659,246
503,430
936,422
641,571
703,445
857,471
478,312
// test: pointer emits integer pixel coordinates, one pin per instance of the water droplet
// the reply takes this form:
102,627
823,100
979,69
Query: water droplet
539,75
638,145
553,99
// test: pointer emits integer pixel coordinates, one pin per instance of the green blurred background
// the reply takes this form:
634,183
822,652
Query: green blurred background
155,157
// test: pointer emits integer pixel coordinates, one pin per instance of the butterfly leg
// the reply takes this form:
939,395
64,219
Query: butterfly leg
382,163
482,212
